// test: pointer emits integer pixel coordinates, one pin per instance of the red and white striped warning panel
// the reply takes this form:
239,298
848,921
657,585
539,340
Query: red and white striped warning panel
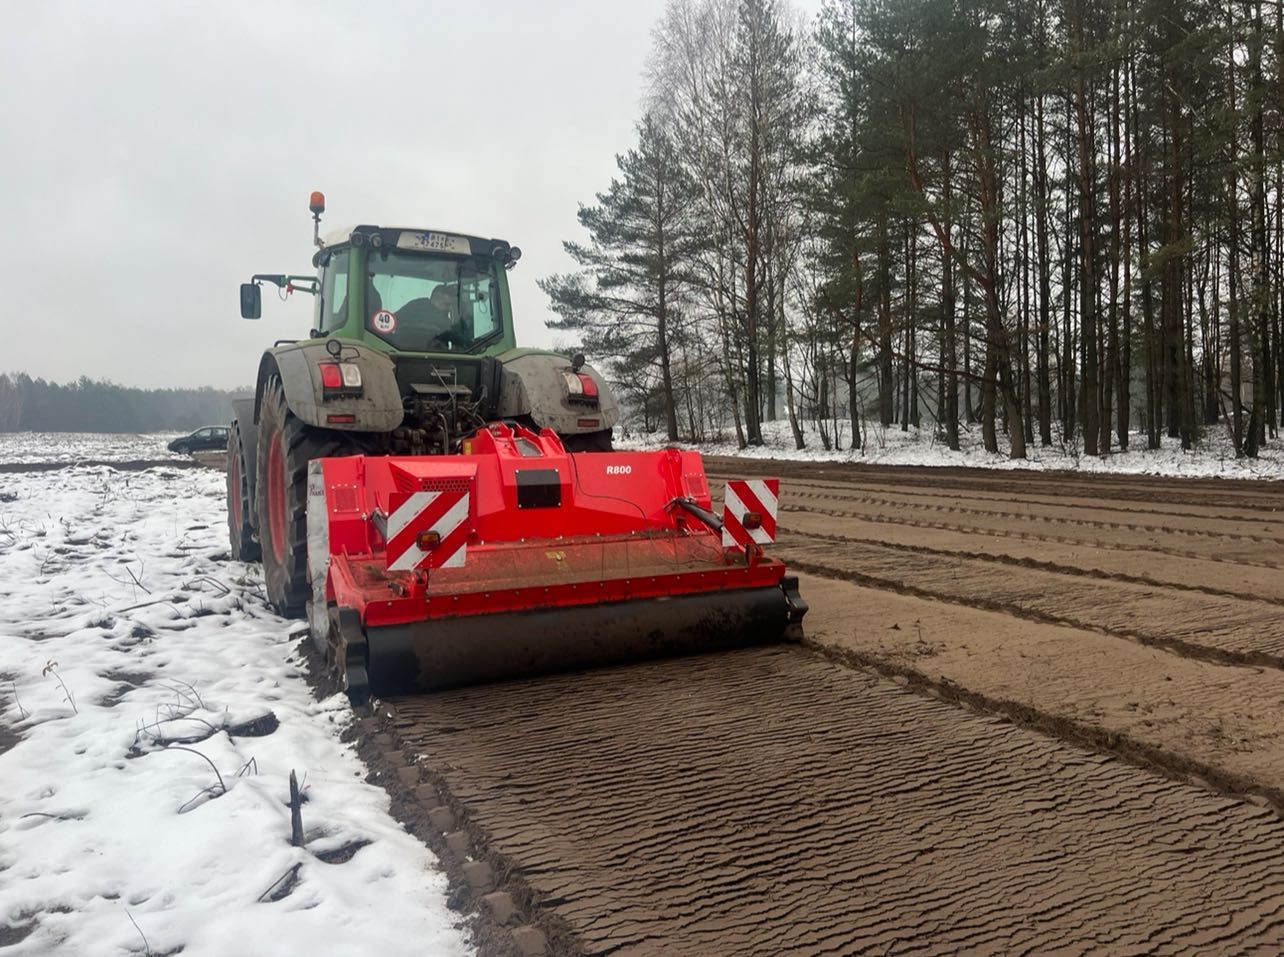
749,512
428,529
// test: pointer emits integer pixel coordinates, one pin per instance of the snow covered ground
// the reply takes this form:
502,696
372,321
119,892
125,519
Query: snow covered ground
85,446
151,710
1214,457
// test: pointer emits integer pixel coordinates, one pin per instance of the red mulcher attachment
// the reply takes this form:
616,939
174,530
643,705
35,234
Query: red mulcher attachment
518,558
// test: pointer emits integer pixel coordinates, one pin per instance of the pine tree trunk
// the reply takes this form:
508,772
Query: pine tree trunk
1041,200
885,384
949,400
1090,394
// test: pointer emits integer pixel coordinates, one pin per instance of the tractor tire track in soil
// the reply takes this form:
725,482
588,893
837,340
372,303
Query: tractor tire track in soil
1232,630
1183,524
1160,569
1038,727
1018,483
975,499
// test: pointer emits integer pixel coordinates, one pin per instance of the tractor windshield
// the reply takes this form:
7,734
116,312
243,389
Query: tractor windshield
419,303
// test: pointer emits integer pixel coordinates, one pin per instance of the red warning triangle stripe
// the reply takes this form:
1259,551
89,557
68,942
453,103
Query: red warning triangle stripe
742,498
426,519
753,503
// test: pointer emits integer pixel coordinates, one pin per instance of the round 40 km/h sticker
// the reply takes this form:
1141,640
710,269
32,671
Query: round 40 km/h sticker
383,322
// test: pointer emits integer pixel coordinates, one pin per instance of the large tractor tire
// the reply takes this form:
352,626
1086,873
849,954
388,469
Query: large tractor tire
240,509
285,447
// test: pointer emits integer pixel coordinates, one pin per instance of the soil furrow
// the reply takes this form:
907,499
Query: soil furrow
1231,493
1033,502
1209,575
1216,629
1098,536
1096,518
1266,596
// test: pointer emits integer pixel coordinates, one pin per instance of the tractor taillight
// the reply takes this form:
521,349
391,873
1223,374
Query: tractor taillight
331,377
581,387
340,378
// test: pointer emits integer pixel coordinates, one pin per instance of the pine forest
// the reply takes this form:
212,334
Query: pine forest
1052,222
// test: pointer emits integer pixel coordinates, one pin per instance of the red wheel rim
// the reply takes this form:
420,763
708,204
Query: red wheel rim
234,489
276,497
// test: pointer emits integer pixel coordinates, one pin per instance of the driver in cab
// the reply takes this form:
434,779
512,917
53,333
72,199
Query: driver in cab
435,318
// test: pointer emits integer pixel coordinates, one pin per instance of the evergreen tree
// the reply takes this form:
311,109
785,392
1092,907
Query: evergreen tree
626,301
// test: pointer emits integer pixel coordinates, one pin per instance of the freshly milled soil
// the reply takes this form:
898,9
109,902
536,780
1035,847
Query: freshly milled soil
772,801
1036,713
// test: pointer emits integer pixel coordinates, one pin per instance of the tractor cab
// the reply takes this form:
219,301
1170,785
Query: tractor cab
403,289
421,291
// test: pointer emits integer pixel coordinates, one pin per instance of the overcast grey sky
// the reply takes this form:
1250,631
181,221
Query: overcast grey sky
155,154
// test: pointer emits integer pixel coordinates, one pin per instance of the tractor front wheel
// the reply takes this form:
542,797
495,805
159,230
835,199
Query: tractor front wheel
285,447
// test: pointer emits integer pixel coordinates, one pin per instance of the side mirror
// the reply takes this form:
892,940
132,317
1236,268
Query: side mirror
251,301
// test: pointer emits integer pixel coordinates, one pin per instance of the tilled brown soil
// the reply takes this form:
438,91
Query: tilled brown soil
1143,612
770,801
1040,713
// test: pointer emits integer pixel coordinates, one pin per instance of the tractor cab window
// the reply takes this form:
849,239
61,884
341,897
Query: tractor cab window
423,303
334,293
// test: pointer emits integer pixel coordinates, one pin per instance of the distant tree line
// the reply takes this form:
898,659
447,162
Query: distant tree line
91,405
1052,220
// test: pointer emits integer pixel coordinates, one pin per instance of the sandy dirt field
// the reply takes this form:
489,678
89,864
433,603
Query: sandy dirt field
1034,713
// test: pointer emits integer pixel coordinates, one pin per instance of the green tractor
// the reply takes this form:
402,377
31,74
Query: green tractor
411,351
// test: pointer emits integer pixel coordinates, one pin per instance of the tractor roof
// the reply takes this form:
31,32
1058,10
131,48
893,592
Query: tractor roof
337,237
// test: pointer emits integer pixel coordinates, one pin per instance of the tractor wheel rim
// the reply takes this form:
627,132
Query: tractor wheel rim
234,487
276,498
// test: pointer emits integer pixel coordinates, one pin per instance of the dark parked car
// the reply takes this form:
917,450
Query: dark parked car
202,440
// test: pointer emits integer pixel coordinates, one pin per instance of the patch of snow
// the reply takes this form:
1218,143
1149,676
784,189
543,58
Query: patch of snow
1213,457
27,447
127,634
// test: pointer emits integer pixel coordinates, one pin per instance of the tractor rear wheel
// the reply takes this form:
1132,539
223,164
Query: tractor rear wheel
285,447
240,510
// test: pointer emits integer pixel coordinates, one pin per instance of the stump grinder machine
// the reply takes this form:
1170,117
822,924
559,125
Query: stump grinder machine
447,509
